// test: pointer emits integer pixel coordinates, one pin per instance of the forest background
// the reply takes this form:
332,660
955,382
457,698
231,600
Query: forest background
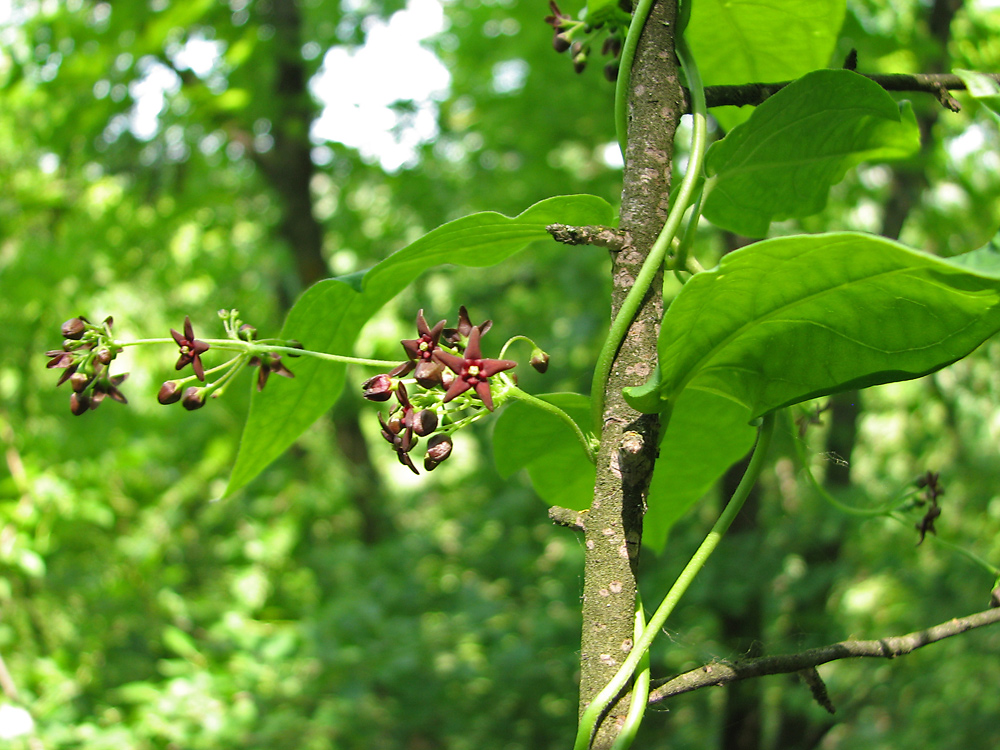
338,601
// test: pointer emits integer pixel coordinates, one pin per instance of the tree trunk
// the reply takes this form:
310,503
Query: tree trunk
629,440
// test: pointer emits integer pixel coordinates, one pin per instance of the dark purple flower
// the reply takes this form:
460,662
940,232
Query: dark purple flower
423,351
438,449
74,328
459,337
270,363
472,371
191,349
108,387
194,398
170,392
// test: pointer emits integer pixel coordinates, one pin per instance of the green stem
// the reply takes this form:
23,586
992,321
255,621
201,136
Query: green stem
231,345
640,688
514,392
588,722
681,200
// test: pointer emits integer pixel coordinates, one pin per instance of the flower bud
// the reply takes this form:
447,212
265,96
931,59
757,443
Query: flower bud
438,449
378,388
78,403
78,381
74,328
170,392
247,332
105,355
560,43
425,422
194,398
539,360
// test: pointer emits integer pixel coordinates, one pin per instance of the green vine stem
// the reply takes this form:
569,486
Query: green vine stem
588,722
233,345
586,443
681,200
640,688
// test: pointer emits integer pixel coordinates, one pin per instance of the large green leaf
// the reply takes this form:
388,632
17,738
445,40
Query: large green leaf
706,435
794,318
743,41
526,437
330,314
782,162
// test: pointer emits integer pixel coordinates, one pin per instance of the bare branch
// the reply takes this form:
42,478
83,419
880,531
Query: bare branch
724,672
571,519
600,236
751,94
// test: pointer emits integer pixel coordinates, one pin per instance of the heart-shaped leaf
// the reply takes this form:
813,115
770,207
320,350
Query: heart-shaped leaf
782,162
330,314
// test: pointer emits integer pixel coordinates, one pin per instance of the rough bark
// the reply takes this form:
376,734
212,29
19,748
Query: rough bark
628,444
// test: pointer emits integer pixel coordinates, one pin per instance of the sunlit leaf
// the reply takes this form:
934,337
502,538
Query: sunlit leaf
794,318
782,162
330,314
741,41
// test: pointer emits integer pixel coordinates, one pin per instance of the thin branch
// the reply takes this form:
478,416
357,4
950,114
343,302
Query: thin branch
752,94
571,519
724,672
600,236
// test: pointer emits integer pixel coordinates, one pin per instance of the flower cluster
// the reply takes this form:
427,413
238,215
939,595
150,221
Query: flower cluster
85,357
575,36
447,366
190,349
89,349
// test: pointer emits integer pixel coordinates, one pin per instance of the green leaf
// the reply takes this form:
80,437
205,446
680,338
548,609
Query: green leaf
794,318
706,435
330,314
782,162
742,41
526,437
982,88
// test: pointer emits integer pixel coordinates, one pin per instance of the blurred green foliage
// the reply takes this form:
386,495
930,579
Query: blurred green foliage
321,607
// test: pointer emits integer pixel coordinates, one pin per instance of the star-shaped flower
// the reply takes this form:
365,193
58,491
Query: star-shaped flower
270,363
191,349
472,371
424,351
459,337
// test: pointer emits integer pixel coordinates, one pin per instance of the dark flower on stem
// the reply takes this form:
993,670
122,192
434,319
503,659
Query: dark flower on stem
74,328
381,387
399,429
459,337
62,359
438,449
270,363
191,349
472,371
424,351
170,392
108,387
558,18
194,398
